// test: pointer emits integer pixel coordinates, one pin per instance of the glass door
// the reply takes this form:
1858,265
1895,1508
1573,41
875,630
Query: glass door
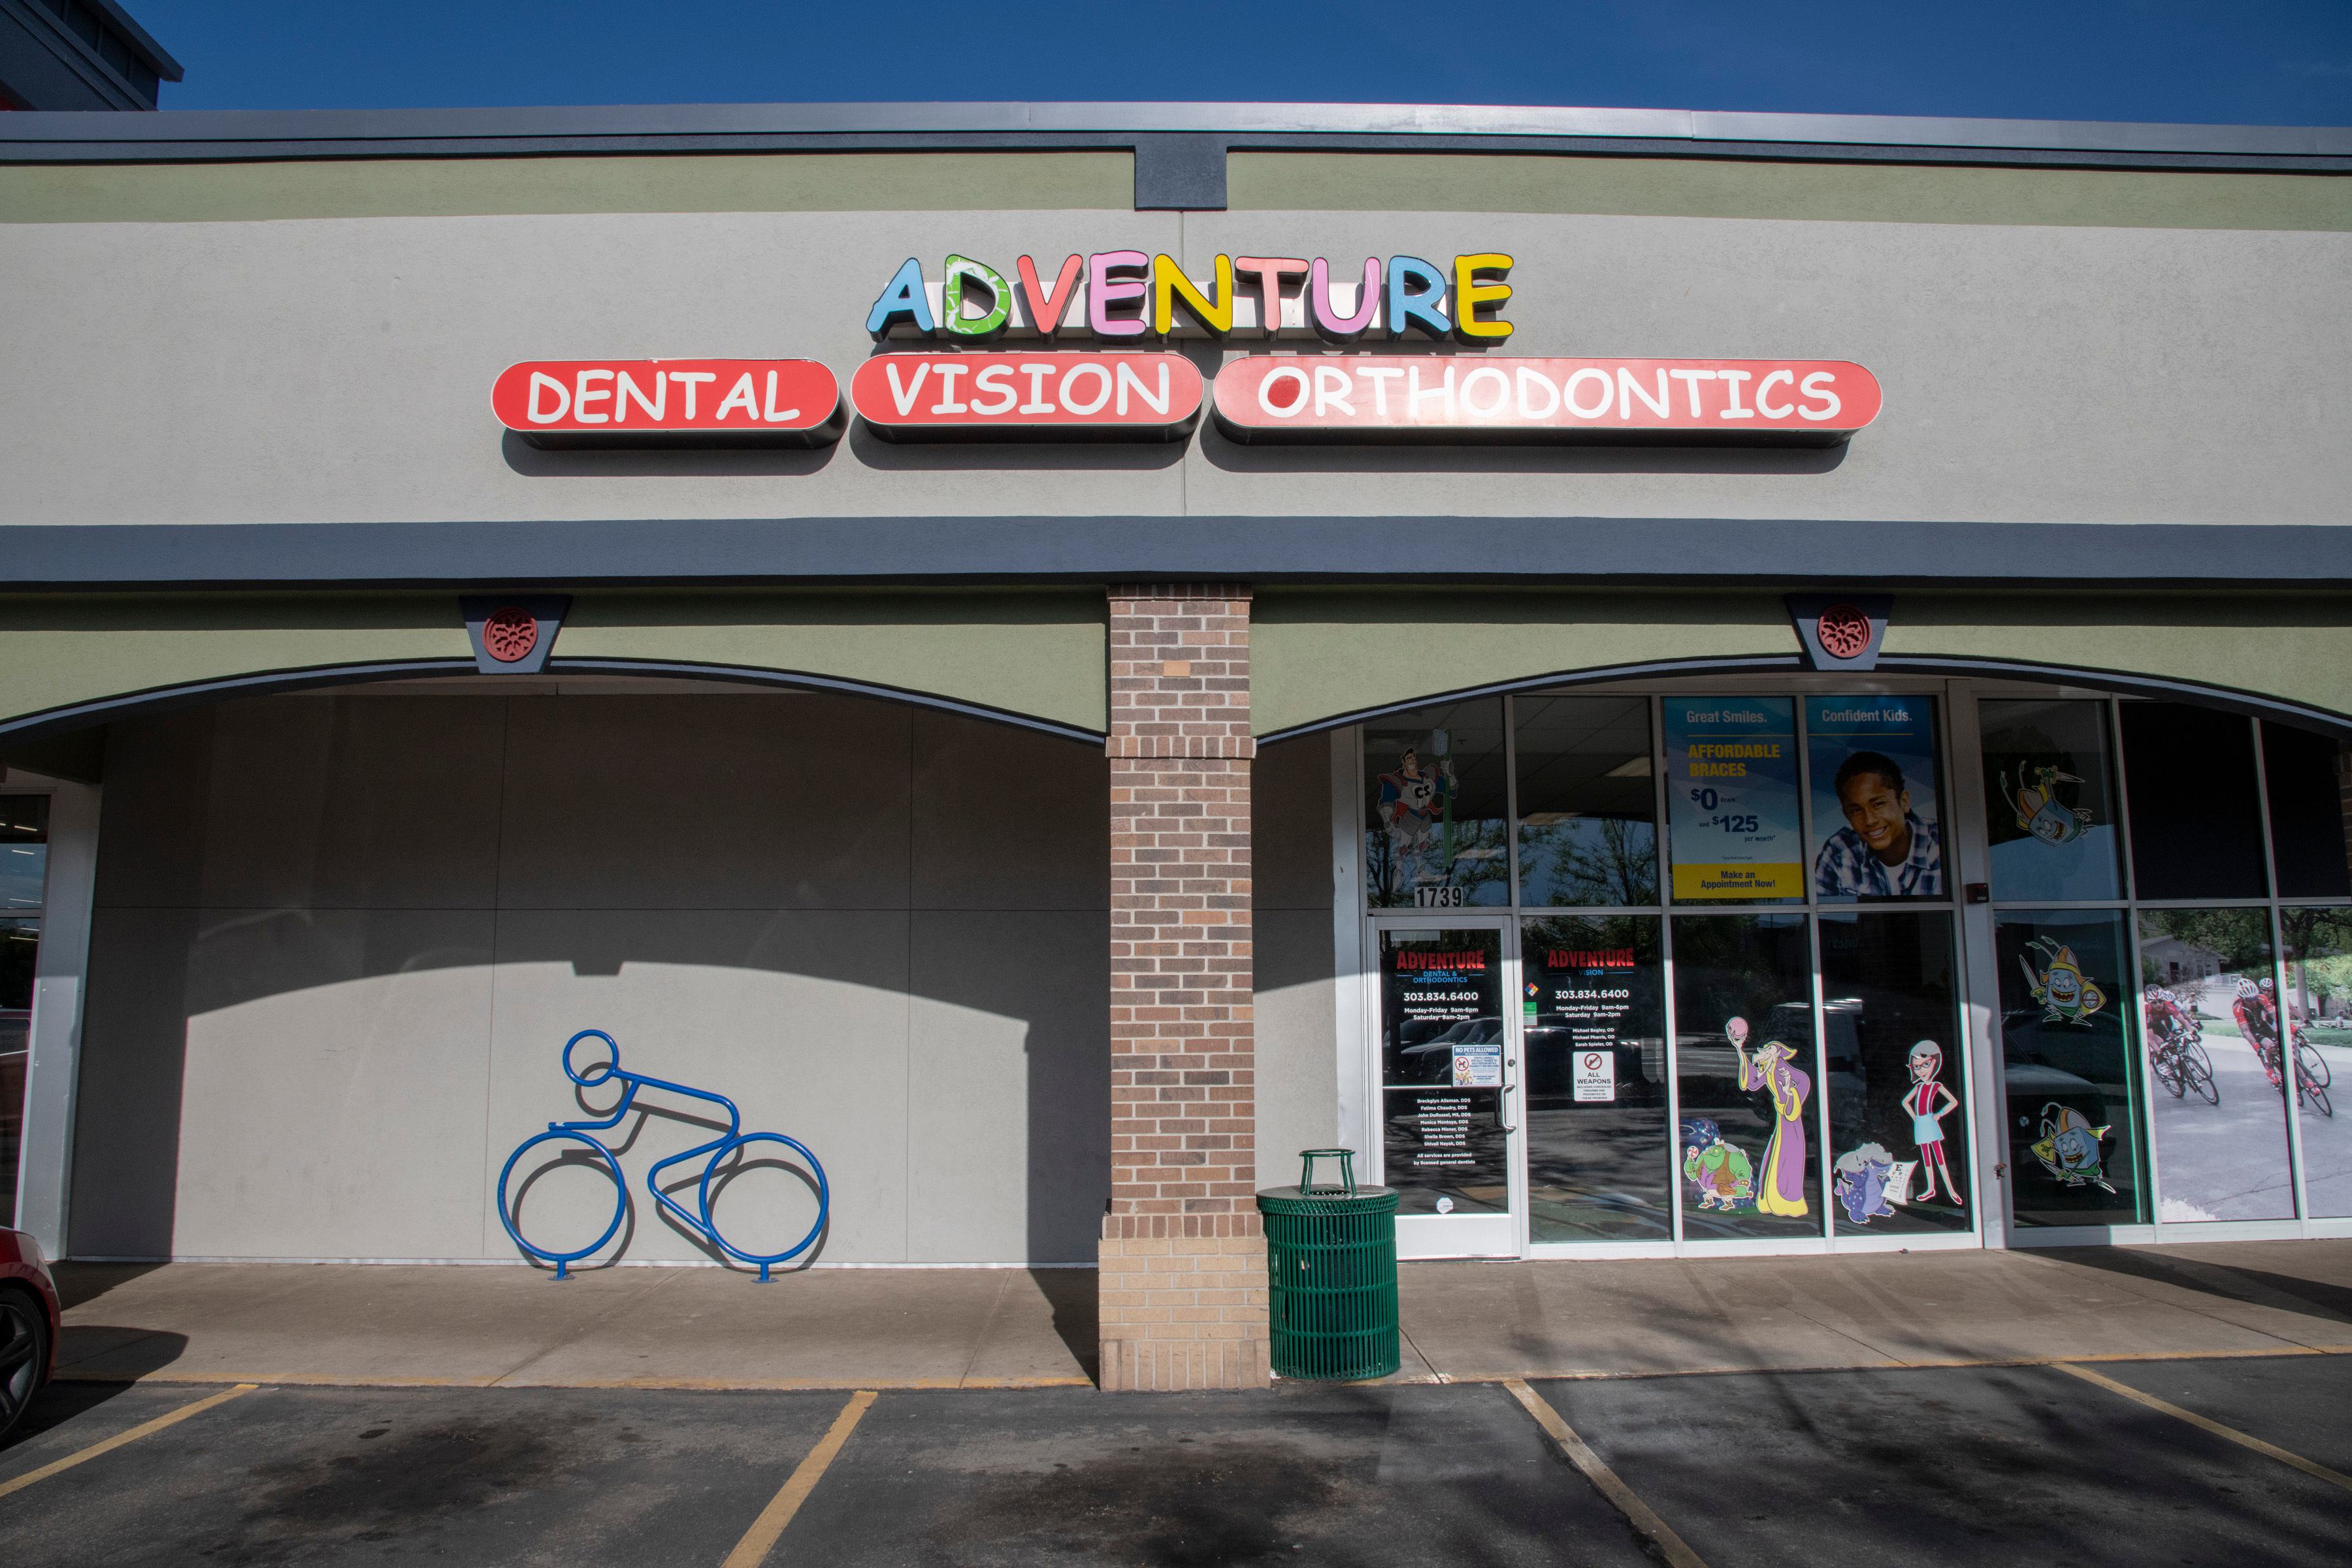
1450,1085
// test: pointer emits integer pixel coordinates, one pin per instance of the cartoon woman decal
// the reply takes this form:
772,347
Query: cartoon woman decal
1928,1103
1781,1186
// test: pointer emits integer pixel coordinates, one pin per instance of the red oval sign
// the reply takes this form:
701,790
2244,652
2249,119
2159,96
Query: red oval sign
670,402
1033,396
1350,397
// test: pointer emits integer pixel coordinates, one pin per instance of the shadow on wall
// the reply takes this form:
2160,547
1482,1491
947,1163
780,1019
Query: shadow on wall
1405,457
340,939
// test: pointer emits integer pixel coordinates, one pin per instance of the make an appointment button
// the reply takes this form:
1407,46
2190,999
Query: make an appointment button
1783,881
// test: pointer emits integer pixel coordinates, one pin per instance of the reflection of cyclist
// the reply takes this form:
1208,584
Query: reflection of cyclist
2258,1022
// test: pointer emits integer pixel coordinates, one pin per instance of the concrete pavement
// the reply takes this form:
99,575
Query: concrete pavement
945,1328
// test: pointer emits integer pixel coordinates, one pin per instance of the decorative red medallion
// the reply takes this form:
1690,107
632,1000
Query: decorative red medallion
1844,632
509,634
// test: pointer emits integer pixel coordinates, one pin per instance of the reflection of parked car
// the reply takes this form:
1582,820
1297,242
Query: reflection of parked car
29,1322
2093,1055
1432,1060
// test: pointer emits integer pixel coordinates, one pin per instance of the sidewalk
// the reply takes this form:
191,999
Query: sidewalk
701,1328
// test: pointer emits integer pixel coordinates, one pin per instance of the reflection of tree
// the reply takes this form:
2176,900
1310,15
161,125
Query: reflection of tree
1600,860
2319,948
2240,938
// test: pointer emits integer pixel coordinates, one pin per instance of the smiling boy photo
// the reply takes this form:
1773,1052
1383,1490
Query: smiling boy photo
1885,850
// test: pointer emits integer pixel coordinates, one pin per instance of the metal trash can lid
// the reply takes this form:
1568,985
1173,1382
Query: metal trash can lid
1323,1200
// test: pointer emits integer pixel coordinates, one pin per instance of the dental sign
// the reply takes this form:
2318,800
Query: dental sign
979,353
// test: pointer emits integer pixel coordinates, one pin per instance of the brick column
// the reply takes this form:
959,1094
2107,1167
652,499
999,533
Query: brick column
1183,1295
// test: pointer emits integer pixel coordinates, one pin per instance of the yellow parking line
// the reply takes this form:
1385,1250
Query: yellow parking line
1604,1479
2244,1439
144,1429
758,1540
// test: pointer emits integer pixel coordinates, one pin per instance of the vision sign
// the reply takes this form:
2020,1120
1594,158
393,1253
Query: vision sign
1039,396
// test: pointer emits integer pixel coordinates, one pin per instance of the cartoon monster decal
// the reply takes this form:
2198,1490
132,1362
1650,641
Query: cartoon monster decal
1718,1168
2069,1149
1863,1180
2066,994
2034,797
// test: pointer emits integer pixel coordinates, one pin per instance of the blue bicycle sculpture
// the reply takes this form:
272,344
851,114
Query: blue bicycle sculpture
719,1149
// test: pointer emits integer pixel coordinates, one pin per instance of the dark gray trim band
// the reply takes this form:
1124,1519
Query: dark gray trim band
1630,552
2122,683
478,133
168,699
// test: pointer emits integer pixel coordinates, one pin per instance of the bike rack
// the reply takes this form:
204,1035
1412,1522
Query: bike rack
718,1147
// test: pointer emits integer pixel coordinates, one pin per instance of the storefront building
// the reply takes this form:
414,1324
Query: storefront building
1684,685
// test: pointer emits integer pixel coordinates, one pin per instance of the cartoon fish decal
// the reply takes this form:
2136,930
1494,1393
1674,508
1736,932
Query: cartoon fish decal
2067,996
2034,797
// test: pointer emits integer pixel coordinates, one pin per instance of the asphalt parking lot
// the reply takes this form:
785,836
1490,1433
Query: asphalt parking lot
1961,1465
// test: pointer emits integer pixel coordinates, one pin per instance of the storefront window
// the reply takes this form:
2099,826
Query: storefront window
2067,1068
1897,1080
2196,821
2305,774
1442,1039
2050,801
2208,1016
1733,825
1437,833
1746,1073
24,868
1877,807
1588,808
1595,1045
2319,1018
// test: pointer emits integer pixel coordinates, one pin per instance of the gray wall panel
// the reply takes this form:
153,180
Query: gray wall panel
1298,1083
327,1070
797,801
339,370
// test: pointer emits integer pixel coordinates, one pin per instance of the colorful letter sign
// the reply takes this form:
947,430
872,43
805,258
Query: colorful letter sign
1038,396
670,402
1280,397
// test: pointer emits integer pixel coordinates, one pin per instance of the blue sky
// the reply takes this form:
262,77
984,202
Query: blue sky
2256,61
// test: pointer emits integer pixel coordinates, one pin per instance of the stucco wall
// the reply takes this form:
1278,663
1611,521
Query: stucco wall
339,941
317,368
1297,1073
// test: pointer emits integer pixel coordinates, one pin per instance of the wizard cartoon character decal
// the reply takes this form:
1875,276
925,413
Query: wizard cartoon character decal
1772,1067
1718,1169
2065,995
2069,1149
2035,798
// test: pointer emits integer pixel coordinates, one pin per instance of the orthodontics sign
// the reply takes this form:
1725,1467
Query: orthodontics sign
951,383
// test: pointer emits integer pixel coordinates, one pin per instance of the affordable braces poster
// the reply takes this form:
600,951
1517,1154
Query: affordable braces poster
1732,812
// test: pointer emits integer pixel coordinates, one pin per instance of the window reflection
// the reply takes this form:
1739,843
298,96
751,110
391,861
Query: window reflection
2319,1020
1588,808
2305,774
1594,1020
2067,1068
2208,1016
2196,828
2050,801
1436,809
1746,1072
1897,1074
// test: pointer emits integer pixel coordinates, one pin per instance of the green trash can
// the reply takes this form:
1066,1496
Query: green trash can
1330,1257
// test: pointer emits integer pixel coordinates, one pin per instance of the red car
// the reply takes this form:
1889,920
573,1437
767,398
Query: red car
29,1322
